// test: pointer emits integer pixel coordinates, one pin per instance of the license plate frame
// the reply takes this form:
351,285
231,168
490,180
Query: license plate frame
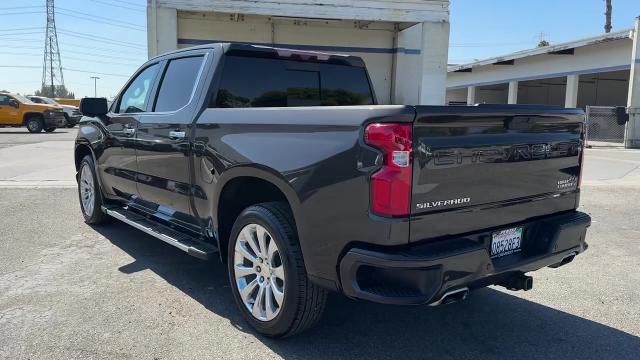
506,242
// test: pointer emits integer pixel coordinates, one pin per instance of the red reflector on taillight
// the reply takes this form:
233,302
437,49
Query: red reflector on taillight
391,185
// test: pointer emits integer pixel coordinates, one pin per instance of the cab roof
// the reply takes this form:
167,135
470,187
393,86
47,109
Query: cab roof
299,53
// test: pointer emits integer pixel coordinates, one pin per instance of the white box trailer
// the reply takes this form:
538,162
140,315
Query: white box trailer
403,43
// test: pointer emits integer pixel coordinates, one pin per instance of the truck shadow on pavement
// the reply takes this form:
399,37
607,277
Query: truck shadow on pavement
490,324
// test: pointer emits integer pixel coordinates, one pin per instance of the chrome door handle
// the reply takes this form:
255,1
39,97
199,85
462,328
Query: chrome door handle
175,135
129,131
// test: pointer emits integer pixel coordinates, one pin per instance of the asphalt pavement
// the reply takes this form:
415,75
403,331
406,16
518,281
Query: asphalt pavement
71,291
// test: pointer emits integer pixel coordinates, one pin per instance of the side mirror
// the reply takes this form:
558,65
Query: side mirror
622,115
14,103
93,106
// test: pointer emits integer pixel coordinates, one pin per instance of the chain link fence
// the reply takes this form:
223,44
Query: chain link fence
603,128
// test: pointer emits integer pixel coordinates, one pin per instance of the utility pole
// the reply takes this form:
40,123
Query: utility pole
52,66
607,14
95,85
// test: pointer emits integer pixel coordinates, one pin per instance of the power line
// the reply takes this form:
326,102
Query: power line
129,3
21,40
102,62
99,17
117,6
95,72
21,66
22,29
109,50
78,59
99,21
98,55
26,47
64,68
23,7
22,13
23,33
104,39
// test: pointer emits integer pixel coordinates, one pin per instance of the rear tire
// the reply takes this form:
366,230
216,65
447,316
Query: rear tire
299,302
34,124
89,193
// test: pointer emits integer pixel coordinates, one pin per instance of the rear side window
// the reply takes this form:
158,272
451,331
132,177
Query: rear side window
5,100
260,82
178,83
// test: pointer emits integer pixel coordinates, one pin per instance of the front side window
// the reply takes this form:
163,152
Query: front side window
135,98
263,82
178,83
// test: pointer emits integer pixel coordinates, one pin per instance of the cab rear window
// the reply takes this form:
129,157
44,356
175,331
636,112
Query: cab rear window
264,82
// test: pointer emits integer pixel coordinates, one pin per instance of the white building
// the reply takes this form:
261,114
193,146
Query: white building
404,43
598,71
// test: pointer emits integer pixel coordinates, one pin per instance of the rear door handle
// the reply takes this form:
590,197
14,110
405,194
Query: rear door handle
175,135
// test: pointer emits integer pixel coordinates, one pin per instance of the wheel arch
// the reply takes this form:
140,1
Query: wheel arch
30,114
82,149
241,187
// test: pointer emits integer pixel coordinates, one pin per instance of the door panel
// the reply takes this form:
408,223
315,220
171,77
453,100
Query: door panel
8,113
117,165
164,180
163,164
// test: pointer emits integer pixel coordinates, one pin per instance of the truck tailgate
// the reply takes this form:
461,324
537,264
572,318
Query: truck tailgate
480,167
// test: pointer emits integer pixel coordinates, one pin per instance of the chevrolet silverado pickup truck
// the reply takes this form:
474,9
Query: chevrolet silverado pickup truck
280,163
17,110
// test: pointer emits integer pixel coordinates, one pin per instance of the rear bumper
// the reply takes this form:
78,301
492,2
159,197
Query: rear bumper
422,273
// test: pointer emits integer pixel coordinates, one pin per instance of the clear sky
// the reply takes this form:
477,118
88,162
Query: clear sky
95,36
107,38
486,28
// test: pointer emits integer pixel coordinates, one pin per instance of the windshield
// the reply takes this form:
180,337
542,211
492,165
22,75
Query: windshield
49,101
22,99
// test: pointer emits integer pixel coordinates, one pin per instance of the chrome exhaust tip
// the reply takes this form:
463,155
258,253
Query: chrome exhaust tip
452,296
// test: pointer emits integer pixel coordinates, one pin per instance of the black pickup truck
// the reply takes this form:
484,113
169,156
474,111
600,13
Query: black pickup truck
280,163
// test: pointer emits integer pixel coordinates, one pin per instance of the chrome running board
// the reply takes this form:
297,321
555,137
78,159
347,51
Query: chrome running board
186,243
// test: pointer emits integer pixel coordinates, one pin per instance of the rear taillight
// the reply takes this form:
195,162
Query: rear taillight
581,161
391,185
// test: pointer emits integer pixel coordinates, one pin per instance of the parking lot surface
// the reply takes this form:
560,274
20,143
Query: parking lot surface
68,290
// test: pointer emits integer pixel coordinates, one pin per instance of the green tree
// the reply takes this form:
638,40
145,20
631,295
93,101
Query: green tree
60,92
543,43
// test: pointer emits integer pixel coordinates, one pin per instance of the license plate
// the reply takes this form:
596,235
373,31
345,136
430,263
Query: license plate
506,242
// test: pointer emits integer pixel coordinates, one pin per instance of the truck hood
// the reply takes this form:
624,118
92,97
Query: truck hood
69,107
43,107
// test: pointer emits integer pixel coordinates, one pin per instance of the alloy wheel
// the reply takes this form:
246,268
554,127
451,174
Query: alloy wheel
87,190
259,272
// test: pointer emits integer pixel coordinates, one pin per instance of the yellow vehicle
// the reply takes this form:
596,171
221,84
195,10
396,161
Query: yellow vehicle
16,110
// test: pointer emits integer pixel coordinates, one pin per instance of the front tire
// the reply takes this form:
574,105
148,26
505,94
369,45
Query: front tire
69,124
51,129
34,124
267,274
91,200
